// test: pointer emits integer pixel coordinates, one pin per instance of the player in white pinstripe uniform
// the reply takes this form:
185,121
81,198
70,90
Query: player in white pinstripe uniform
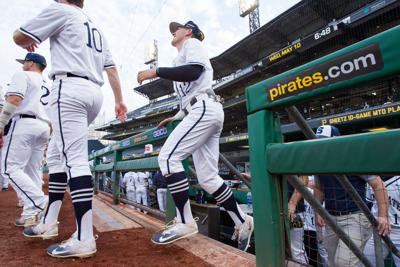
29,130
80,54
197,135
3,179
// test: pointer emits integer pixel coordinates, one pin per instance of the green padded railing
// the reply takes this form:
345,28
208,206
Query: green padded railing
145,164
368,153
104,167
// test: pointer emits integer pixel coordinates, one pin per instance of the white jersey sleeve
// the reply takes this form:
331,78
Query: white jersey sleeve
108,59
195,53
50,21
18,85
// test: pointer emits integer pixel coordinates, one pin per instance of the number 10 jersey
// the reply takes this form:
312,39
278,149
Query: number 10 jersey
77,45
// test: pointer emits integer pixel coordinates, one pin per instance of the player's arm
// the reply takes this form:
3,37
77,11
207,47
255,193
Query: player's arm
7,112
295,198
48,22
14,96
319,196
120,108
24,41
381,197
184,73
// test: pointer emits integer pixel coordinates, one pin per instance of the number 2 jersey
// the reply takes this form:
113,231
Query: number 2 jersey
393,188
77,46
31,87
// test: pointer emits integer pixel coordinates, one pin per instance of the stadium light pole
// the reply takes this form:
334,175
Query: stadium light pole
250,7
151,55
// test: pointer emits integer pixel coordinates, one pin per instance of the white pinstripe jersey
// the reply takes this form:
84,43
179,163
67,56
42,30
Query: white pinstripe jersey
32,88
193,52
77,45
393,188
129,180
309,215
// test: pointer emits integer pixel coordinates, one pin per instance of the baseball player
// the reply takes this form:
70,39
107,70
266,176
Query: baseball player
3,179
80,54
161,185
197,135
29,130
142,186
296,210
129,182
393,189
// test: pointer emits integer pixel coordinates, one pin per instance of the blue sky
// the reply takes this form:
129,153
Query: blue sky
129,25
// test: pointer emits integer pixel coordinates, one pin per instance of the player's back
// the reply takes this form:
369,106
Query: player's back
130,179
77,44
141,180
31,87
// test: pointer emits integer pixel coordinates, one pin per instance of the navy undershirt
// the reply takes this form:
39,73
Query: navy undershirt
184,73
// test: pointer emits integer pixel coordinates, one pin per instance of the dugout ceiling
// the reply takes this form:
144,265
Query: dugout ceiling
298,21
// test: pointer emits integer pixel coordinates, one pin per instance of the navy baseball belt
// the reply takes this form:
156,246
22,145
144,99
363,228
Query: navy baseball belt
195,99
342,213
71,75
26,116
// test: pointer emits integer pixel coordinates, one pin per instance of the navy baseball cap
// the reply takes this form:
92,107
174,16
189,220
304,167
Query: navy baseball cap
326,131
197,33
34,57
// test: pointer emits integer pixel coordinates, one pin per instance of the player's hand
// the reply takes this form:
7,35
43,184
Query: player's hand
165,122
120,111
319,220
246,176
32,47
383,226
146,75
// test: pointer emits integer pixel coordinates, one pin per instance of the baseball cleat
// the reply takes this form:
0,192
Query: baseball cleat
41,231
173,232
20,222
4,189
73,248
26,222
243,233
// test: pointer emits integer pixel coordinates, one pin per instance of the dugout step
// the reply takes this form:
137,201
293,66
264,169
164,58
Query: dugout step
211,251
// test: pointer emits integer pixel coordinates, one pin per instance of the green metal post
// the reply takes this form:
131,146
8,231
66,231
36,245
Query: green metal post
115,176
267,200
96,176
